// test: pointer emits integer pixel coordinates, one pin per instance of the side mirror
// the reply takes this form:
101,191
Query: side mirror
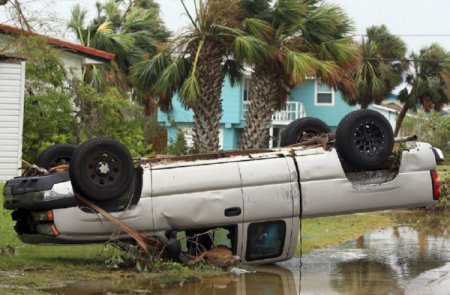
438,155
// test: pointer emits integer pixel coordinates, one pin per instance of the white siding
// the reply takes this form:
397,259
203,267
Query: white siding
12,79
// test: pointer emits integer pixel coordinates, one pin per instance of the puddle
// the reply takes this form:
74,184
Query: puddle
412,259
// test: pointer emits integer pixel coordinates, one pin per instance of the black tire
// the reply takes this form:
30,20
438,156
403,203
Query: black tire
297,129
56,155
101,169
364,139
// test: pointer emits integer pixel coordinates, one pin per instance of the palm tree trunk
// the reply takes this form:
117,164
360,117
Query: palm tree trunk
364,104
208,108
400,118
262,93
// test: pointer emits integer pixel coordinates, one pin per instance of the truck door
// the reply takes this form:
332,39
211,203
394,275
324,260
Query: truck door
195,195
271,209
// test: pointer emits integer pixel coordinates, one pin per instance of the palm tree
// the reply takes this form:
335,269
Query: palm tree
304,38
429,82
132,30
381,68
194,64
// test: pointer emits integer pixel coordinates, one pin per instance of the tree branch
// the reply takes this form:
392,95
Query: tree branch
22,18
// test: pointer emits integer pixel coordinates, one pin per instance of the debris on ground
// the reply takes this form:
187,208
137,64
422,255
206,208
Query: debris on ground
220,256
239,271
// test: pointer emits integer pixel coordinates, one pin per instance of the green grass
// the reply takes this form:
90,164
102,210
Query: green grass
50,263
38,257
323,232
34,267
444,171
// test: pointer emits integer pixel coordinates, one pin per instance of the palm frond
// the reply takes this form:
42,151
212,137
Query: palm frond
289,12
259,28
171,78
77,18
112,12
140,20
106,28
190,91
342,51
234,71
77,23
299,65
249,49
96,78
147,72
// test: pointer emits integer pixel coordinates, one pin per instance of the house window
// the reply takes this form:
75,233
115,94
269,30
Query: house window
324,94
265,240
246,89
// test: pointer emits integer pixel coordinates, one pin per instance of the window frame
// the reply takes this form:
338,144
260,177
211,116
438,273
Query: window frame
246,82
316,95
283,227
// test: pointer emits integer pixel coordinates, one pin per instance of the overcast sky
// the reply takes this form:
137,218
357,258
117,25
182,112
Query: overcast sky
402,17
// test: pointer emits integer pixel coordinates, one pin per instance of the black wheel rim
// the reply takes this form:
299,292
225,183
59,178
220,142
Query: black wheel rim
369,139
103,168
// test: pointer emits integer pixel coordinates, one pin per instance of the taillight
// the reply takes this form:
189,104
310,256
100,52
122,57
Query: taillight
436,186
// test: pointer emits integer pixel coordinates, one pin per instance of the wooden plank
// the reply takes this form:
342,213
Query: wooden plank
10,88
6,106
10,70
9,112
8,160
10,82
9,124
10,99
9,142
9,166
10,95
8,148
9,136
9,172
8,77
9,155
8,130
10,64
8,119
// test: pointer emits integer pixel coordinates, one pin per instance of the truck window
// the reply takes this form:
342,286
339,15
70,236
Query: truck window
265,240
198,240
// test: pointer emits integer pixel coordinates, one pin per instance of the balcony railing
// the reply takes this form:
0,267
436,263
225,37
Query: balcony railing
290,112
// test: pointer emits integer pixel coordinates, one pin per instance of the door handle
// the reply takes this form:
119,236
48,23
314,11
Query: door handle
233,211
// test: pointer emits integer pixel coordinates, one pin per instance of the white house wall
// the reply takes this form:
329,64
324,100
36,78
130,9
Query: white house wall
72,63
12,80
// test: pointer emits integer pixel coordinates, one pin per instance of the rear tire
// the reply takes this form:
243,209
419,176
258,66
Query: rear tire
56,155
297,129
364,139
101,169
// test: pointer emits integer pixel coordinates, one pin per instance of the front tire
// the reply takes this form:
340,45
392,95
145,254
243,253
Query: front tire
364,139
101,169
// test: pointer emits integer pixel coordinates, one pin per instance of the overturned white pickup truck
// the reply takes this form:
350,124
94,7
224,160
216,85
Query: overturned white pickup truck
254,199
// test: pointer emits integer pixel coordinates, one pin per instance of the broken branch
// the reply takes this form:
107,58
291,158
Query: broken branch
142,240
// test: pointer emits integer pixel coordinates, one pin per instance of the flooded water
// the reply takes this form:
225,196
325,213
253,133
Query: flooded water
409,259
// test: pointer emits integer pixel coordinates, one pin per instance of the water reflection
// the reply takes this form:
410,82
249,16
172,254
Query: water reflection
409,259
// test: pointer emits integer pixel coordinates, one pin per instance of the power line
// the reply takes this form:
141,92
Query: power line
405,59
410,35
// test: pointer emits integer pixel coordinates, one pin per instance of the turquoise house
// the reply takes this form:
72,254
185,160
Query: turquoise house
312,99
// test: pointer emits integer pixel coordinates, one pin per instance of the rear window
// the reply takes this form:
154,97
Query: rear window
265,240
